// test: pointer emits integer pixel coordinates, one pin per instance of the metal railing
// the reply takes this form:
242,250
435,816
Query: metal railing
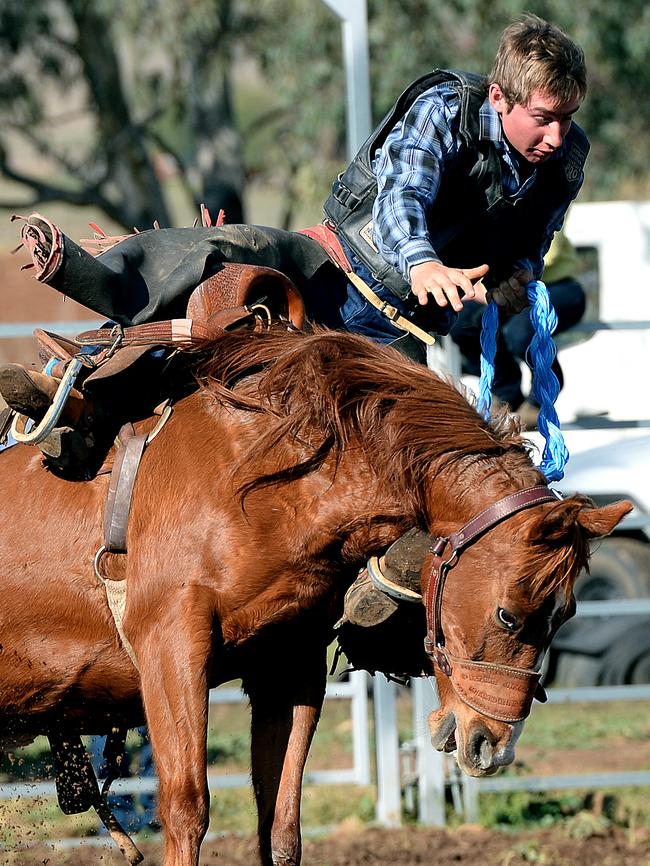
355,690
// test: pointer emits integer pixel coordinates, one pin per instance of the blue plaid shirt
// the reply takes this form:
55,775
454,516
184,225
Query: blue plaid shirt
409,168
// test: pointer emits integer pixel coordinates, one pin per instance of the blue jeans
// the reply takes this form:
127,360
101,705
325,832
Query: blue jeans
135,813
336,303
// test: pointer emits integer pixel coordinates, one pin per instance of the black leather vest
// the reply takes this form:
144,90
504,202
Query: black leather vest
471,222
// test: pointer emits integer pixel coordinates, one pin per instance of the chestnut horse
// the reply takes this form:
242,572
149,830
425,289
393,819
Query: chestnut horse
254,508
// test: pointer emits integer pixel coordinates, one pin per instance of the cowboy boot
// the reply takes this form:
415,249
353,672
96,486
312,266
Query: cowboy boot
402,563
375,594
31,393
28,392
366,605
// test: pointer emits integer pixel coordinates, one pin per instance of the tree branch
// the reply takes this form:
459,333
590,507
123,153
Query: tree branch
45,192
46,149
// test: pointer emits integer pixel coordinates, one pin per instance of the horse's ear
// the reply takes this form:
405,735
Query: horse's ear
561,518
558,521
601,521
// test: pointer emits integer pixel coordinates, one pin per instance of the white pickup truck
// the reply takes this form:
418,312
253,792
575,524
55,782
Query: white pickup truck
610,650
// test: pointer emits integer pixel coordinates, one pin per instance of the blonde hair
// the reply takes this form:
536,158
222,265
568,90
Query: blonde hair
535,55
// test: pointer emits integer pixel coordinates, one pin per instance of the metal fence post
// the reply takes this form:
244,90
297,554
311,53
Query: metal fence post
360,746
354,18
389,800
471,790
430,764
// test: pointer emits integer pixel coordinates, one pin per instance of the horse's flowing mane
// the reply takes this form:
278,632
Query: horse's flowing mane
332,391
329,392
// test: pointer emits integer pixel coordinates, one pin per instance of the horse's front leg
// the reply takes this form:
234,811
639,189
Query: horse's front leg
173,651
285,711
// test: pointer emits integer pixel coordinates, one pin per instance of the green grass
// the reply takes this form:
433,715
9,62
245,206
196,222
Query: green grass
580,812
580,730
586,726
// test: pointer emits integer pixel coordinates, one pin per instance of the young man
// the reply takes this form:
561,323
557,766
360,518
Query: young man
466,179
457,192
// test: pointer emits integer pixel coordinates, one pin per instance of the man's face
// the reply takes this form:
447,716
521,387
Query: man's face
537,129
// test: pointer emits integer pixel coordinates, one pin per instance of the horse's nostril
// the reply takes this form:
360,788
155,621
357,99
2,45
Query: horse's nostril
481,749
487,754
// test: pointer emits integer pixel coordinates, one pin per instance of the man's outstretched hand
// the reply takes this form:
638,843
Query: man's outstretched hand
448,285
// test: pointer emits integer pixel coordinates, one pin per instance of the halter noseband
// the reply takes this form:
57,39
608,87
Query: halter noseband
501,692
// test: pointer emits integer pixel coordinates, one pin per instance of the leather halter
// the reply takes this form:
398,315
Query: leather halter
501,692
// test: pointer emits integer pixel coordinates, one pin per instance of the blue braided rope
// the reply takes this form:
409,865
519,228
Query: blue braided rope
546,386
489,328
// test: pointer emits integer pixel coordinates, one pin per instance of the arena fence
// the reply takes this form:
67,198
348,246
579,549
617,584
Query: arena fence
355,689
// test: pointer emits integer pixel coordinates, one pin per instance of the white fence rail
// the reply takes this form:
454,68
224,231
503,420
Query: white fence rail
355,690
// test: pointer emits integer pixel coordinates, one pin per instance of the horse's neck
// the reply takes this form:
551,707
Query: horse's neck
364,514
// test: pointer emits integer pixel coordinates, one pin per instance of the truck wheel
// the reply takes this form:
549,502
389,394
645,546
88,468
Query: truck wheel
640,673
619,568
574,670
628,661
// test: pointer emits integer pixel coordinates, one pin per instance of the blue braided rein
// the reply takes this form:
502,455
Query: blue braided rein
546,386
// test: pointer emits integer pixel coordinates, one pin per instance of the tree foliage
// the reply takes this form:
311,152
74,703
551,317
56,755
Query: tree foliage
410,37
90,88
97,94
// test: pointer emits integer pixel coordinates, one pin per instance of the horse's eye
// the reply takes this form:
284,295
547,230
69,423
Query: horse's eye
507,619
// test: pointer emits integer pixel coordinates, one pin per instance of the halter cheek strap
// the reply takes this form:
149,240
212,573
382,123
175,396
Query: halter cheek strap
501,692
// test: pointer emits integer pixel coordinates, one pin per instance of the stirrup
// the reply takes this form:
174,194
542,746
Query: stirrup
48,423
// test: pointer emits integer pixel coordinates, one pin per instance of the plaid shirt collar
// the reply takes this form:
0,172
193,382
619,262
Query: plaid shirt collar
490,123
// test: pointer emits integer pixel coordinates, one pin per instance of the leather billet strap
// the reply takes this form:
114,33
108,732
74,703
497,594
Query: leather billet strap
498,691
129,451
120,489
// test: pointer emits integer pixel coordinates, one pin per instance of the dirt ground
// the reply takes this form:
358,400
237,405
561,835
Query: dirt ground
571,845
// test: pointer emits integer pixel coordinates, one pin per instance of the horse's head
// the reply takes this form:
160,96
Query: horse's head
496,592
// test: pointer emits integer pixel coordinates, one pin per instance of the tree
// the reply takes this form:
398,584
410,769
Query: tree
88,100
98,94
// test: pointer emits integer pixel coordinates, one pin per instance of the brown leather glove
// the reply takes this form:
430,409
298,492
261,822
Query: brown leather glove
511,294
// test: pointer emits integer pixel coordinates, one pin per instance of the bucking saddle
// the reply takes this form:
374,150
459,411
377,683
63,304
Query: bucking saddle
91,384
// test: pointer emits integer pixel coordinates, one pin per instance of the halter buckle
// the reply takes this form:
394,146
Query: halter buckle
440,658
438,546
